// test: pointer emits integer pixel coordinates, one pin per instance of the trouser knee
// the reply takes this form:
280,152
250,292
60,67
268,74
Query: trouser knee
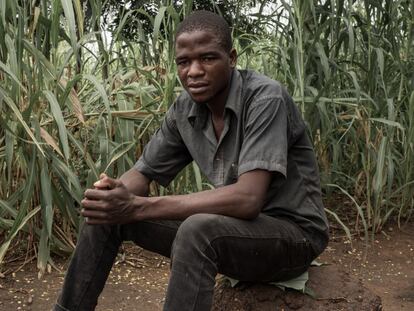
195,234
93,234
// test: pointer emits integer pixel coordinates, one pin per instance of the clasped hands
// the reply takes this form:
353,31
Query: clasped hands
109,202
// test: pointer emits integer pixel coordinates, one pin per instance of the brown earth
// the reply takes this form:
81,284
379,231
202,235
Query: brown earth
138,280
324,282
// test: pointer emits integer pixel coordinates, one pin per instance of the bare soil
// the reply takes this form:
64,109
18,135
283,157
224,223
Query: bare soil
138,279
324,282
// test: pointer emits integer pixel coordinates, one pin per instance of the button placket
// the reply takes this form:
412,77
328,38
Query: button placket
218,168
218,160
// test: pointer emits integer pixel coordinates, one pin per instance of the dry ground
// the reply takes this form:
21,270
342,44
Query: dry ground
139,278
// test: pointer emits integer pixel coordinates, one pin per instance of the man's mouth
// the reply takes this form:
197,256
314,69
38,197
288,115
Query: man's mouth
197,88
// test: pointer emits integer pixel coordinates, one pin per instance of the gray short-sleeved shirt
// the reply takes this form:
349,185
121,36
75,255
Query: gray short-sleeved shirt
263,130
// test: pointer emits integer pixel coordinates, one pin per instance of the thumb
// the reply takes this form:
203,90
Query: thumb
105,182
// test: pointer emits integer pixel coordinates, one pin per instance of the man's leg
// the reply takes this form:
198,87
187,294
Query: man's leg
264,249
95,254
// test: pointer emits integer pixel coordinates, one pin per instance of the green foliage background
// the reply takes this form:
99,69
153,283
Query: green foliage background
84,83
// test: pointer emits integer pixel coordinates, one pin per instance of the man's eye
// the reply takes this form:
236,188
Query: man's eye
208,58
182,62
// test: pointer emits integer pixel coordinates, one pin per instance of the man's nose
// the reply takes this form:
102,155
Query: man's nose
196,69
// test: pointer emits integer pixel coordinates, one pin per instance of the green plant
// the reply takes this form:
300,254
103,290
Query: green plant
77,99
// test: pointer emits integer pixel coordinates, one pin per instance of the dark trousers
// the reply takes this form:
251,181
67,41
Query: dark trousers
264,249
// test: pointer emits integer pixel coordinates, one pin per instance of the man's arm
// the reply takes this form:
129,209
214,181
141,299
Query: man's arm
243,199
136,182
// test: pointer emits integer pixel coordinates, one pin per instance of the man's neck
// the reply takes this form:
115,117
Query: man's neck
217,107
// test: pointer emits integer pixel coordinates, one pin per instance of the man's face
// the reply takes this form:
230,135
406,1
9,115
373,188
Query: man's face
204,67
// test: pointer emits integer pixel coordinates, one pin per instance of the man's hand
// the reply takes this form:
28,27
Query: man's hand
109,203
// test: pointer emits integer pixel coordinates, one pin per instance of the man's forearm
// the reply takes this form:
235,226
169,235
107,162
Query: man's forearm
181,206
243,199
136,182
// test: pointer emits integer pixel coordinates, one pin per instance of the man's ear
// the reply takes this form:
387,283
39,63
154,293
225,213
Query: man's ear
233,58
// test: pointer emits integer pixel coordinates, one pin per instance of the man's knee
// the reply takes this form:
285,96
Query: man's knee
92,234
195,234
199,226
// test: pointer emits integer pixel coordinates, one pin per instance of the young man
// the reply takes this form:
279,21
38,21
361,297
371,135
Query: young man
264,221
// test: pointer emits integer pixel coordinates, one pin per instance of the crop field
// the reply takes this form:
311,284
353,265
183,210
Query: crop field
85,83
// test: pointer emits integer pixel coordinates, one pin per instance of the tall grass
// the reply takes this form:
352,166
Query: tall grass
76,101
349,66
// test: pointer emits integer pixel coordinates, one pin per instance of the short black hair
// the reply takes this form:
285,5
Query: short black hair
208,21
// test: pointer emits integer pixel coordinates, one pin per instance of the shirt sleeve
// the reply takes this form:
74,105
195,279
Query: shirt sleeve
265,143
165,155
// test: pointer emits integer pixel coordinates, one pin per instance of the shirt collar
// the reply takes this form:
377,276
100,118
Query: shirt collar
197,114
234,100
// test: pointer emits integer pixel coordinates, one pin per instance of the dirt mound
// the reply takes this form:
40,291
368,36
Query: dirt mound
334,290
